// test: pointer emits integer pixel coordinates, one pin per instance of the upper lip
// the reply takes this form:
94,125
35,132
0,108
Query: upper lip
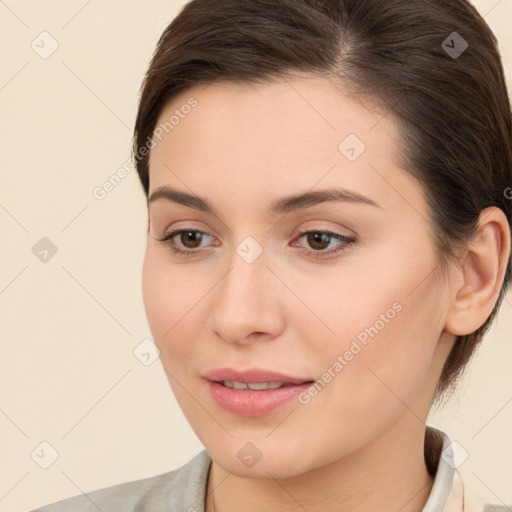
252,375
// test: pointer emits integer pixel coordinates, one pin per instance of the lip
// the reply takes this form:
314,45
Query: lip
253,375
245,402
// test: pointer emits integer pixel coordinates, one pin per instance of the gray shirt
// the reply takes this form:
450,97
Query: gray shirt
184,490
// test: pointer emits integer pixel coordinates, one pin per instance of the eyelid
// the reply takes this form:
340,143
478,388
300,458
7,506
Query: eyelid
320,225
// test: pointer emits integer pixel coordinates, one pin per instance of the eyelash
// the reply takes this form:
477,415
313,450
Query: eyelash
347,242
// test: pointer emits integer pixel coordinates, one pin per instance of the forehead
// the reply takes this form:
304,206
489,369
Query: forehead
304,106
290,133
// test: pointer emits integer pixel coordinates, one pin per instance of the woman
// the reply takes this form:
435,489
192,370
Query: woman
328,190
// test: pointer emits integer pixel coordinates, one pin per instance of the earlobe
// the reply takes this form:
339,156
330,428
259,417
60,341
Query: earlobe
480,277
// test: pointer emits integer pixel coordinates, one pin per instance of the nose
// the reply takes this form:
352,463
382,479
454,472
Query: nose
247,305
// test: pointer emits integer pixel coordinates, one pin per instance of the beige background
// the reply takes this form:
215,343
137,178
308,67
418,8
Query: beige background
69,326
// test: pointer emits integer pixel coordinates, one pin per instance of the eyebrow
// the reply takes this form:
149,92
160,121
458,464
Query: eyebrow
281,205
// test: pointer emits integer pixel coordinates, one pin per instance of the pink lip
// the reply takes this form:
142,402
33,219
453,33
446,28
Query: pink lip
252,375
253,403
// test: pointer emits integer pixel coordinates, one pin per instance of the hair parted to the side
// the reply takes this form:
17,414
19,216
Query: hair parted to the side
453,113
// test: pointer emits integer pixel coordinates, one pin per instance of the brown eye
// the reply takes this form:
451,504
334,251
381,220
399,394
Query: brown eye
318,240
188,241
320,243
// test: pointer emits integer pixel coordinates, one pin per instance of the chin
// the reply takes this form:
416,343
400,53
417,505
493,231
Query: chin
260,458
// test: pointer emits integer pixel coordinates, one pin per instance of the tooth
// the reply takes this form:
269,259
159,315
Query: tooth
258,386
253,386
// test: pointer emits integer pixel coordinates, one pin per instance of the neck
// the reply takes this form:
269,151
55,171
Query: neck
387,474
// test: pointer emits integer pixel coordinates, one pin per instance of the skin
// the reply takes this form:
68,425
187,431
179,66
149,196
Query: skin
358,444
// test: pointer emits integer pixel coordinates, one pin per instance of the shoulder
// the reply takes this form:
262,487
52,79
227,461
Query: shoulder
108,498
478,503
474,501
451,492
154,493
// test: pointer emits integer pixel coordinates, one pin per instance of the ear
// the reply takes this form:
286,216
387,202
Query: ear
477,281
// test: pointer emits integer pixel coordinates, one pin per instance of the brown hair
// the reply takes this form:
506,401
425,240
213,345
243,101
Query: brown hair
450,100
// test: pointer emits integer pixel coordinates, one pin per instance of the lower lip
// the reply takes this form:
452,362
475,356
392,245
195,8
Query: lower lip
245,402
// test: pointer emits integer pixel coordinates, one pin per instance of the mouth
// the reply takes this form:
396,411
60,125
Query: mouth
254,386
253,392
253,379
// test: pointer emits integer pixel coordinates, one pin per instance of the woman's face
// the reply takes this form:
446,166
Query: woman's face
356,309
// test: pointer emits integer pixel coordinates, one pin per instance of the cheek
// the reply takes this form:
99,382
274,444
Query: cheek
155,293
386,352
172,303
387,320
